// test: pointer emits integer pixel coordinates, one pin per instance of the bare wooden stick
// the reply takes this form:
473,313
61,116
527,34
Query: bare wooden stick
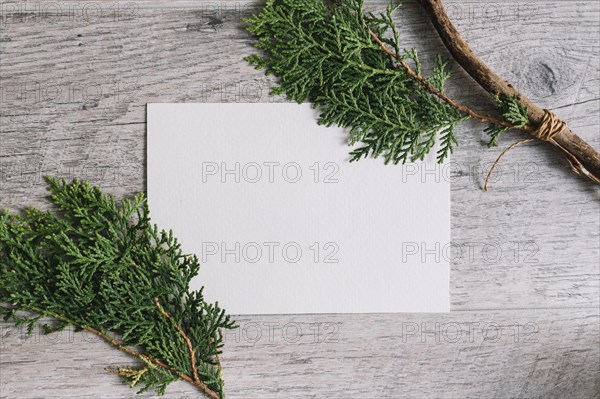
587,158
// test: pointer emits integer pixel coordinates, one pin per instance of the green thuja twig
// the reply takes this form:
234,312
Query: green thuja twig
101,266
512,111
349,63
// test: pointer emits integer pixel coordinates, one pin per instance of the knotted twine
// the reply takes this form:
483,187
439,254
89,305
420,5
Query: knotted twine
549,127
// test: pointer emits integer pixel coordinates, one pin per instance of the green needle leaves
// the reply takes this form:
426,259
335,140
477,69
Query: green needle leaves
324,52
350,65
101,266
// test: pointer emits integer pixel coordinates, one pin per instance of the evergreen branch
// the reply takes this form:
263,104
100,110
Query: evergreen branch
430,88
325,52
102,267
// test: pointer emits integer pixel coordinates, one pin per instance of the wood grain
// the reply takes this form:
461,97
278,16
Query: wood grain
73,90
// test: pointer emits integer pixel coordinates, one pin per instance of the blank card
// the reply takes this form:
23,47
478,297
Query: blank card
282,222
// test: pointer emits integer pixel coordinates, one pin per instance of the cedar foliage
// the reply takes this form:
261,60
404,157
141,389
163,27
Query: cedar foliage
323,51
102,266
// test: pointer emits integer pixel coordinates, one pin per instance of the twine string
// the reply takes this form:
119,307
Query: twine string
549,127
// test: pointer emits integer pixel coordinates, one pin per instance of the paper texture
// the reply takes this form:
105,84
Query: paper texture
283,223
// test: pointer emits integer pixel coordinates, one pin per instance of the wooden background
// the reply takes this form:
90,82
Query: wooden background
75,78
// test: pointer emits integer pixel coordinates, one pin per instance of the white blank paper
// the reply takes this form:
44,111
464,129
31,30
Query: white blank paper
283,223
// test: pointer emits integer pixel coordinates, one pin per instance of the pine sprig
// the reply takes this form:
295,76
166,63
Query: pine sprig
101,266
350,65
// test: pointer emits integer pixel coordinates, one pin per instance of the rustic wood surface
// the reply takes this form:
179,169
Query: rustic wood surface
75,78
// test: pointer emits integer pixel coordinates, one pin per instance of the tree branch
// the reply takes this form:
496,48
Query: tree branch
587,159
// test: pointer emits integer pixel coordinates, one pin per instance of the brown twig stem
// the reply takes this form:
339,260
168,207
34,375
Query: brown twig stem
188,343
583,157
423,82
138,355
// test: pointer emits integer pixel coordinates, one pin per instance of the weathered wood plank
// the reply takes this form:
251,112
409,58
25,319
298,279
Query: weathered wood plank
502,354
